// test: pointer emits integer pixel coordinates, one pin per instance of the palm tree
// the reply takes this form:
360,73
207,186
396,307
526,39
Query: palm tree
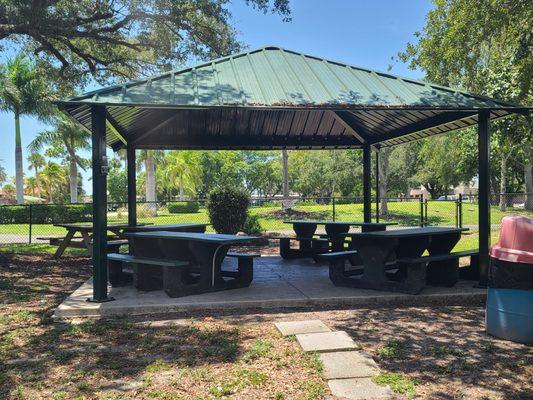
182,171
3,176
53,176
23,91
31,185
65,140
36,161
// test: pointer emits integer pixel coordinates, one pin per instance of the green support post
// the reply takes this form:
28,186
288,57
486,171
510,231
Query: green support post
100,169
132,187
377,184
367,200
484,194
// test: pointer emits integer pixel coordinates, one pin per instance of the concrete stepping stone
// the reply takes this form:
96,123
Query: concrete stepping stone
359,389
326,341
348,364
299,327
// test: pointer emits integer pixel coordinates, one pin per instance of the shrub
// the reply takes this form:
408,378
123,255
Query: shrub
227,209
46,214
252,226
182,207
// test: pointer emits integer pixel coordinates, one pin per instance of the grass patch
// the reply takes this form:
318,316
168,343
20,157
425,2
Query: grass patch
260,348
158,366
312,390
313,362
398,383
394,348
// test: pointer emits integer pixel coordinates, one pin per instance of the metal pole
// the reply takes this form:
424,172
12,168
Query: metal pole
421,210
30,223
484,193
333,202
460,210
132,188
377,184
367,200
99,164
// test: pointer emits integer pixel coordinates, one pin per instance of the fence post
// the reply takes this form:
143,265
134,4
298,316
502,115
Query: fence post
333,202
426,212
460,211
421,210
31,209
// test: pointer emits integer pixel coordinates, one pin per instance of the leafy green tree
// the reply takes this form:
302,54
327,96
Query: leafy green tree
36,161
436,167
484,47
64,141
53,177
23,91
117,181
264,173
3,176
123,38
183,171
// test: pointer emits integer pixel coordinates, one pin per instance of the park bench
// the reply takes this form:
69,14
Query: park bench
437,269
173,273
337,264
308,246
245,268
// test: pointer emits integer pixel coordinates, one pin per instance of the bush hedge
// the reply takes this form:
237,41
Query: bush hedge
228,209
46,214
252,225
182,207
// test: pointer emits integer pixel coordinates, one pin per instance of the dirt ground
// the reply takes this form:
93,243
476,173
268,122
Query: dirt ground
429,353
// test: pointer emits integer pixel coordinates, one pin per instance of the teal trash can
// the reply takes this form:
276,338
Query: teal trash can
509,314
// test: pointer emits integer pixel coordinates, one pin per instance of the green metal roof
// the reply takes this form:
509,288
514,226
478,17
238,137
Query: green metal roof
271,97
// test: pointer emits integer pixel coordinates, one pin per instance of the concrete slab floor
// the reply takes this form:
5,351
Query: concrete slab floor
298,327
277,284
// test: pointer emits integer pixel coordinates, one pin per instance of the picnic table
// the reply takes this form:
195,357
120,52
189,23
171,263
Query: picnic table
406,247
85,231
185,227
306,229
203,253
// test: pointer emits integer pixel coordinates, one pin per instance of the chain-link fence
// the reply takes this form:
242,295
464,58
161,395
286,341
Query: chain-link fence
30,224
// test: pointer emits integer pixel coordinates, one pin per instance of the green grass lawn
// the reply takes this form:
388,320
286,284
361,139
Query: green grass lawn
271,218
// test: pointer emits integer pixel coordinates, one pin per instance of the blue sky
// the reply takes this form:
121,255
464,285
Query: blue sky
358,32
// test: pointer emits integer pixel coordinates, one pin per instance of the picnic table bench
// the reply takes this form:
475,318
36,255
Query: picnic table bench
203,253
412,270
310,246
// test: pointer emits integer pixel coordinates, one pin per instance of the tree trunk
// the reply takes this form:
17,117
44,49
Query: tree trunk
528,178
383,178
285,159
73,180
19,171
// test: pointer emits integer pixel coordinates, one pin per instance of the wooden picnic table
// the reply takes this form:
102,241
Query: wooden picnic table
306,229
377,249
204,253
85,231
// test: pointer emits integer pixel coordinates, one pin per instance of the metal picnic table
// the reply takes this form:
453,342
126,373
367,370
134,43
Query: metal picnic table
375,249
306,229
204,252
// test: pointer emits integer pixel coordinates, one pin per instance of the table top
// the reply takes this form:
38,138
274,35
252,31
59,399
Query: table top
89,227
425,231
194,236
312,222
145,228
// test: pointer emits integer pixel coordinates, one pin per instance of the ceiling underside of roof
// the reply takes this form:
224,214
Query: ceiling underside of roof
243,128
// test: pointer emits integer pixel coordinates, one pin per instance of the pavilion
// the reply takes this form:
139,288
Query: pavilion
273,98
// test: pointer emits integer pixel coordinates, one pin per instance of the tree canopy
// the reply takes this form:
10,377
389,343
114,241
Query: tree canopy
122,38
